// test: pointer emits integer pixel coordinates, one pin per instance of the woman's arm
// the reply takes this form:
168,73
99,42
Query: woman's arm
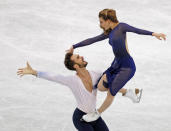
159,36
91,40
87,42
129,28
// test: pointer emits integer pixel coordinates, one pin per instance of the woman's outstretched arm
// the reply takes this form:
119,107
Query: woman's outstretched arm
87,42
129,28
90,40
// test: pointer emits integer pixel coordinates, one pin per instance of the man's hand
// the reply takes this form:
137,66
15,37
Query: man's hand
26,70
93,116
71,50
159,36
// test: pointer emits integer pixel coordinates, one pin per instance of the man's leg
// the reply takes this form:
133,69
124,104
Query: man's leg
81,125
84,126
100,125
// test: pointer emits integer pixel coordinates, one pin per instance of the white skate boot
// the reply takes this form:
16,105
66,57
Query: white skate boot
93,116
134,95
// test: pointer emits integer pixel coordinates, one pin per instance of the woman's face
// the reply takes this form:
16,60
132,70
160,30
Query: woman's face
104,24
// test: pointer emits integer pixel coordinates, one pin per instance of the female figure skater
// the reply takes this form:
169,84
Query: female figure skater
122,68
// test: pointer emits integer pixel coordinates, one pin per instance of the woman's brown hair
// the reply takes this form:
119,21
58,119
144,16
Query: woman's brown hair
108,14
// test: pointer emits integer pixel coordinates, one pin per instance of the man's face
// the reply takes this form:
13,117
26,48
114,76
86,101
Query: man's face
79,60
104,24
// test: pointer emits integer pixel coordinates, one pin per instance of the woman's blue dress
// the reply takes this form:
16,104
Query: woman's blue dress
122,68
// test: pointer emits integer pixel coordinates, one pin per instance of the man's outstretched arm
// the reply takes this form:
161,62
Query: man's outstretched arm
64,80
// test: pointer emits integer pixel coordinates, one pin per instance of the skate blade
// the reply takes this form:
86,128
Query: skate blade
140,95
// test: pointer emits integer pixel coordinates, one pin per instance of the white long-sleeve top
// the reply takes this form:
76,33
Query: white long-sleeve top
86,100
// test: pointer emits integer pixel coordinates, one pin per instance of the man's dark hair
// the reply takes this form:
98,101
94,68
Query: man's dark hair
69,64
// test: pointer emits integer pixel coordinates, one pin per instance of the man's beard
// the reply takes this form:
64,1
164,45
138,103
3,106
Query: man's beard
84,65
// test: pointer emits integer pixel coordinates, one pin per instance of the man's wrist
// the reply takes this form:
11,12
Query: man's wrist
34,72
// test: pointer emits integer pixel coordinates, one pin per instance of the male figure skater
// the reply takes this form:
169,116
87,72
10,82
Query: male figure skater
81,86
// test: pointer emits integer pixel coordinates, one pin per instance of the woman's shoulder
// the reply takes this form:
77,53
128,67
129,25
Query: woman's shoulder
122,23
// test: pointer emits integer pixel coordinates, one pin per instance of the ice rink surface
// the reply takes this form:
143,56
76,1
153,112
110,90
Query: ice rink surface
39,31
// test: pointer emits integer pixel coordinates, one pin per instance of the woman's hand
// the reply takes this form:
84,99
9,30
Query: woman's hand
71,50
159,36
26,70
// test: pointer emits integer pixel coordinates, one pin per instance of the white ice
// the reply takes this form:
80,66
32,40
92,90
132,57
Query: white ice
39,31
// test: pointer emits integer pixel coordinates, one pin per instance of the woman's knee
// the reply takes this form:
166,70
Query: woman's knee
100,85
102,89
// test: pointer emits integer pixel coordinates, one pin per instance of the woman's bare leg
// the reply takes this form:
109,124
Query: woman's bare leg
102,88
100,84
109,98
108,101
123,91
